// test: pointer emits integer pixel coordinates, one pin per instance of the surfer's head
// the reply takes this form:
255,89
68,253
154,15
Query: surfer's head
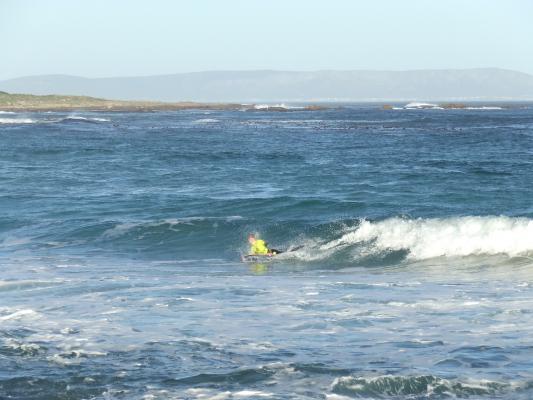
251,238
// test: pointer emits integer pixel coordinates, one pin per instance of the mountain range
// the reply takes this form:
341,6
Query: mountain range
481,84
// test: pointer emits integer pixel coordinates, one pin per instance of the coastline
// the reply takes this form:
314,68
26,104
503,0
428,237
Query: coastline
29,103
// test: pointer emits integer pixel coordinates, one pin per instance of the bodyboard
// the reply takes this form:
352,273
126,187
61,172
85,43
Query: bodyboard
256,258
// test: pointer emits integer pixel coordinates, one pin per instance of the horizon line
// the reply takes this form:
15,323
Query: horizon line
264,70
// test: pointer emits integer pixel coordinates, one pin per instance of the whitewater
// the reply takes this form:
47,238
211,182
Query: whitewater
411,275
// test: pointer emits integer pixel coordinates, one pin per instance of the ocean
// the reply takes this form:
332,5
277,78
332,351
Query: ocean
411,278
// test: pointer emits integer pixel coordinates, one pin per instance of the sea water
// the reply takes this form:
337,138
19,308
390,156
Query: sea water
121,235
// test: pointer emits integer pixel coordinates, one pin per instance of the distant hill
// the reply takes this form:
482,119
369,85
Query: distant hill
271,86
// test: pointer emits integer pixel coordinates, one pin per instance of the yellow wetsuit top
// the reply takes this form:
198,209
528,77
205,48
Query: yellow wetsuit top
259,247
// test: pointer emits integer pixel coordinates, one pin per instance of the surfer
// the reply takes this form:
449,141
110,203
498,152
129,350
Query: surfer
259,247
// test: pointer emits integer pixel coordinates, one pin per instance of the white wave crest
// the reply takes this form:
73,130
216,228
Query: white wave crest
206,121
80,118
17,121
484,108
422,105
449,237
25,313
276,106
76,118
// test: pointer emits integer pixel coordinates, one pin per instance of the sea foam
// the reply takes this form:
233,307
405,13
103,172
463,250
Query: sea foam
450,237
17,121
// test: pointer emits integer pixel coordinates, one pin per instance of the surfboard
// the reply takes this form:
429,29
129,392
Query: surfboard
257,258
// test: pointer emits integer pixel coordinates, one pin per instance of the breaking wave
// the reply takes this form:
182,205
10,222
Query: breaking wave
431,106
418,105
449,237
338,243
75,118
17,121
488,108
426,386
68,119
206,121
283,106
395,240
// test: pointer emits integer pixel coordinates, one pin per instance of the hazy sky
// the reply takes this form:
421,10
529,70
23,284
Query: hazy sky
97,38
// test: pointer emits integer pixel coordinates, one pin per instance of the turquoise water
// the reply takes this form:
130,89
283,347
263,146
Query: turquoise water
121,235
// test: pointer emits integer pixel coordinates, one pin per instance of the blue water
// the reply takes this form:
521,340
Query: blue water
121,235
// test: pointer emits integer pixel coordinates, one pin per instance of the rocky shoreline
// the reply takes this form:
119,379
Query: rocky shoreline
28,103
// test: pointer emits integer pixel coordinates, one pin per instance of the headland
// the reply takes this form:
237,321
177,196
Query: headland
30,102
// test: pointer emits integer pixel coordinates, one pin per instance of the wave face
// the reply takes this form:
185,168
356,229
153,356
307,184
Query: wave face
347,242
408,276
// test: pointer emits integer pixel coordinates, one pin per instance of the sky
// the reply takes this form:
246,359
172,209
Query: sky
97,38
